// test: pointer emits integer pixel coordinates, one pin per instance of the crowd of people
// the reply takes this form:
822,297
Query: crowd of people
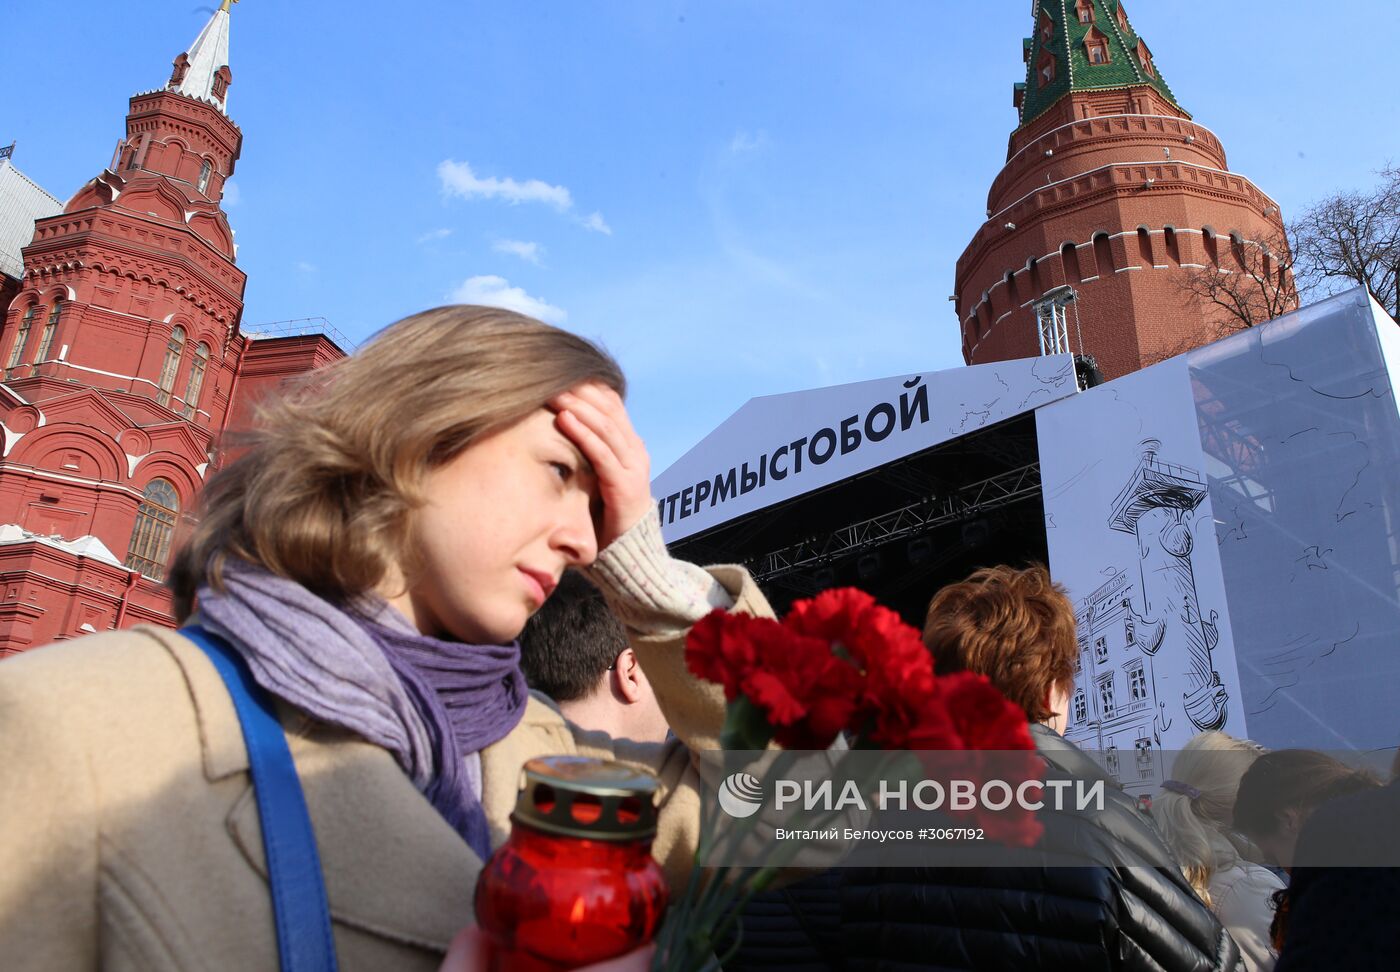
372,554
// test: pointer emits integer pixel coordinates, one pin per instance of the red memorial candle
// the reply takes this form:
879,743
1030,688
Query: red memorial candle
576,882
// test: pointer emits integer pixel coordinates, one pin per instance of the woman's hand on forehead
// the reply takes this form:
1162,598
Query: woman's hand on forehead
593,417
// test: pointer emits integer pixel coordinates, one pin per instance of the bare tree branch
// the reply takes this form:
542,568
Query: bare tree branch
1250,282
1343,240
1353,238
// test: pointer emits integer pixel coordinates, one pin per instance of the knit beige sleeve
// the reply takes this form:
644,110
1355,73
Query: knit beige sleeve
650,591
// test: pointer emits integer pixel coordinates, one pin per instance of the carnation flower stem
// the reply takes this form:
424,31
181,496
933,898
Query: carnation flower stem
678,918
713,904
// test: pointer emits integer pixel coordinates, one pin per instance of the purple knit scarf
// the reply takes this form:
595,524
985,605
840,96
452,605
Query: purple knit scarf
470,696
430,702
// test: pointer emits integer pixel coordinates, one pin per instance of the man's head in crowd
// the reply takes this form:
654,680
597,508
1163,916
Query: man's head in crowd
575,650
1280,791
1014,626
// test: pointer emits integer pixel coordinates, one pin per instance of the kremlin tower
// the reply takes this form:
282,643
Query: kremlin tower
1110,196
123,362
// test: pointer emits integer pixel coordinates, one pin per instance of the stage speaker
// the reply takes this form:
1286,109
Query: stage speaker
919,551
975,534
869,566
824,577
1086,372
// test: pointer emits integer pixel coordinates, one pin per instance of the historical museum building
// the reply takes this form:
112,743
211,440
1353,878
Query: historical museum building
124,360
1111,194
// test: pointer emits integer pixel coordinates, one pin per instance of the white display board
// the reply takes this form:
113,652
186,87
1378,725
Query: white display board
1131,535
778,447
1228,525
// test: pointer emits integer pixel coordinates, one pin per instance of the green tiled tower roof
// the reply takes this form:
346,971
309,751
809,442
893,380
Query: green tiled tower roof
1125,59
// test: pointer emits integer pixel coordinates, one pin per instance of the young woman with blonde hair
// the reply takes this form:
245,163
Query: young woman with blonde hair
1195,811
369,558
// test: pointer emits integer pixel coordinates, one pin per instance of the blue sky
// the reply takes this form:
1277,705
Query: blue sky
736,198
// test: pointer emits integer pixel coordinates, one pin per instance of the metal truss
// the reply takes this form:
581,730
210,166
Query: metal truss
989,494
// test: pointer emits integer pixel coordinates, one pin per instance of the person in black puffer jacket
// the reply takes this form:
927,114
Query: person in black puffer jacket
1100,890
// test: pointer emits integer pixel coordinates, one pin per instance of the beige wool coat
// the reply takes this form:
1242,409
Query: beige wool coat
129,833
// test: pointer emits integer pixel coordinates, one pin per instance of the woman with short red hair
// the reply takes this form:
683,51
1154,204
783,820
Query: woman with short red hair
1014,626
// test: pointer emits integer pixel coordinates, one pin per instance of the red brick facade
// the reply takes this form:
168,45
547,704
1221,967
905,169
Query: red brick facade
123,364
1117,194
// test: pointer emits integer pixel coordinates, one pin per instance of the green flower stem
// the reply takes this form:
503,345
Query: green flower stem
746,727
760,883
677,916
713,903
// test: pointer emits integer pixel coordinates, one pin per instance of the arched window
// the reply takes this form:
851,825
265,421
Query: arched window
1011,289
21,338
1045,69
1145,56
171,364
1069,260
1172,246
1144,236
1047,27
1085,9
50,328
1096,46
196,381
1212,246
1103,254
155,527
204,171
1237,248
1033,272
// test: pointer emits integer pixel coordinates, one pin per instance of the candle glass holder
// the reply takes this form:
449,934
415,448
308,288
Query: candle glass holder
575,883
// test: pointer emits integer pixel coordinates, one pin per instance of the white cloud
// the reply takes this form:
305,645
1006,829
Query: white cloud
458,179
304,267
529,252
596,223
232,194
748,142
496,291
432,235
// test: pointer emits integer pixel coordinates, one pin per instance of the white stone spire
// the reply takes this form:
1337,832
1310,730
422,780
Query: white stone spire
206,56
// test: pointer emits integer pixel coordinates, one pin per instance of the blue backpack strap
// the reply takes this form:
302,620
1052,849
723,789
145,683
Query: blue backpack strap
299,906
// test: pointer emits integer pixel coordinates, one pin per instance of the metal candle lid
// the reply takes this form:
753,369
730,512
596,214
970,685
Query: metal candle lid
578,796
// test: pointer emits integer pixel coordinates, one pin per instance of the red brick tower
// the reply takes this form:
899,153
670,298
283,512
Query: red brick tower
1110,196
123,361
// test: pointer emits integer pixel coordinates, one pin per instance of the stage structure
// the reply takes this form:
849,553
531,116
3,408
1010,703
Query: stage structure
1227,521
882,482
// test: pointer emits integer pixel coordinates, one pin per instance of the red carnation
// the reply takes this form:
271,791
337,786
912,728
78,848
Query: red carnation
840,661
997,739
807,692
982,716
833,615
719,649
897,667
